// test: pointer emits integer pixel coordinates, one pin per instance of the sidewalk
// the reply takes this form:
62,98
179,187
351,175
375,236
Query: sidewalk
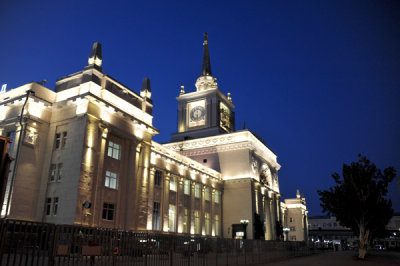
343,258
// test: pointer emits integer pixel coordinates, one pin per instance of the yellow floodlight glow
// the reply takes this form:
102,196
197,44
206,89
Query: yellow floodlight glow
3,112
81,106
35,109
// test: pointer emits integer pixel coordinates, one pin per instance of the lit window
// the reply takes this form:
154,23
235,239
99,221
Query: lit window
207,223
292,228
111,180
186,187
157,178
156,216
207,193
31,136
48,206
172,183
52,172
108,211
114,150
55,206
216,225
171,217
197,189
216,196
186,221
196,222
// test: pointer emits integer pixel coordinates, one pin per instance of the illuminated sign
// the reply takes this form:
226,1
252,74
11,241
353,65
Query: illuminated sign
3,88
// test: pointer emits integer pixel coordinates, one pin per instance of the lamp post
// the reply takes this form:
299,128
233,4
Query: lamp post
28,93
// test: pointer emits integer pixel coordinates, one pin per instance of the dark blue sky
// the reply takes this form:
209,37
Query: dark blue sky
318,80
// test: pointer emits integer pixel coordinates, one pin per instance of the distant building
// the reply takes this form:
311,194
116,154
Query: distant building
325,230
295,221
87,157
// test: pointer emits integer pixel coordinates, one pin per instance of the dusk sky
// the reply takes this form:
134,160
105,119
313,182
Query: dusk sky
318,80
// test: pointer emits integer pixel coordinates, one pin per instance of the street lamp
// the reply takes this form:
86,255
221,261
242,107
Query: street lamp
28,93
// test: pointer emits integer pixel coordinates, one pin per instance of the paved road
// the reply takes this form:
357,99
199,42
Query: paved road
343,258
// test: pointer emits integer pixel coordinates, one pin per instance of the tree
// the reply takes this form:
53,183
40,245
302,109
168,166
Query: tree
357,200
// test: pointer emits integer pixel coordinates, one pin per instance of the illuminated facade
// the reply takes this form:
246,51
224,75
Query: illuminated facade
87,157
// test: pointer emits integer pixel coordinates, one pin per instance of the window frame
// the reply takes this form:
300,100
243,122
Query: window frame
172,184
111,176
171,218
108,208
186,187
158,175
114,147
197,191
216,196
156,214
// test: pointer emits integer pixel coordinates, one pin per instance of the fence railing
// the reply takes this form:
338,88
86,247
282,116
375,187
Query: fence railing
33,243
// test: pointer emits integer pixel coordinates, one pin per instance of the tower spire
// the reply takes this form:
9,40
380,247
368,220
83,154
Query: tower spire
206,67
95,58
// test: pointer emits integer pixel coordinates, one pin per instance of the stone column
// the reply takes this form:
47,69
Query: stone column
97,207
202,211
150,200
274,215
179,204
165,204
142,185
268,217
191,213
212,212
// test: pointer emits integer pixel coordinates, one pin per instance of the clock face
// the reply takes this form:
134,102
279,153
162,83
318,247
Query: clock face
197,113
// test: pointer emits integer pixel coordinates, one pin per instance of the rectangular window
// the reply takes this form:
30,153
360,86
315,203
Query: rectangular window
114,150
111,180
58,140
48,206
216,221
172,183
293,238
55,206
207,223
197,190
207,193
30,136
196,222
171,218
52,172
61,140
59,171
156,216
64,140
157,178
10,135
186,187
186,221
292,228
216,196
108,211
291,219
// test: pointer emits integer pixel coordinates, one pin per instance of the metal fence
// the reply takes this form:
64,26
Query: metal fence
31,243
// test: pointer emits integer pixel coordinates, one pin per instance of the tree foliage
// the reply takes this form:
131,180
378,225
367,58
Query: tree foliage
357,200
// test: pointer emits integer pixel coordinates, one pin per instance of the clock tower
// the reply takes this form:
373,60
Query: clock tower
206,111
